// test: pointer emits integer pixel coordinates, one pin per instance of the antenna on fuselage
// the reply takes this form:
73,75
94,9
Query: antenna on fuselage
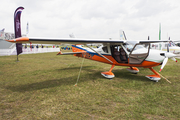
72,35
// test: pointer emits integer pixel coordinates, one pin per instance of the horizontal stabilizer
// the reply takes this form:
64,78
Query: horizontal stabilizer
69,53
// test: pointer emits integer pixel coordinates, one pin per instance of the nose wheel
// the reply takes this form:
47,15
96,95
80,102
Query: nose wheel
156,77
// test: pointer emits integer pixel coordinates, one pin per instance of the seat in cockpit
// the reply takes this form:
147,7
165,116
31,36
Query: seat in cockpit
117,55
123,55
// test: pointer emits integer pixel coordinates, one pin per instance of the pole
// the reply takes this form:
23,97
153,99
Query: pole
17,59
159,35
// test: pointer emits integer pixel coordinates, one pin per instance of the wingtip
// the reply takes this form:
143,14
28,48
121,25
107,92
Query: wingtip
14,40
19,40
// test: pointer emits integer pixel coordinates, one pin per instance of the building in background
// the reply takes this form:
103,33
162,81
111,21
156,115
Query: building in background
7,48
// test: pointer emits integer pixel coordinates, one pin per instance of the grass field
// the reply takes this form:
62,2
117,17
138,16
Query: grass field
41,86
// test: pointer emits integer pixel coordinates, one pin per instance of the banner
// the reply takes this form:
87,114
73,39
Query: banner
17,28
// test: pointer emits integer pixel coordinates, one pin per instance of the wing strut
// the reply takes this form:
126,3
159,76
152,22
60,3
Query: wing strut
99,54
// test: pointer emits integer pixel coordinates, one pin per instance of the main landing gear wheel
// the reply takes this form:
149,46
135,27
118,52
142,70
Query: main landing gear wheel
108,74
133,70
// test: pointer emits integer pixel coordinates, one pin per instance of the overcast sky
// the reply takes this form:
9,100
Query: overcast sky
94,18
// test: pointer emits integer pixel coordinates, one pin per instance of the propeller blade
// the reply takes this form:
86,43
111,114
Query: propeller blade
164,63
174,59
167,48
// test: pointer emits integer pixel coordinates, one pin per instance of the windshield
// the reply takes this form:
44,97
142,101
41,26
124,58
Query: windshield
129,47
141,48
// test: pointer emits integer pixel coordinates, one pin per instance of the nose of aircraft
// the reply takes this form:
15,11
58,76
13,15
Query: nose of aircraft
169,55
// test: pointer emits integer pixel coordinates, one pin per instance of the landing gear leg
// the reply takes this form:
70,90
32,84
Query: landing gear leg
108,74
156,77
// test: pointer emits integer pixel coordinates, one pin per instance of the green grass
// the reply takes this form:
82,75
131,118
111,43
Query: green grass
41,86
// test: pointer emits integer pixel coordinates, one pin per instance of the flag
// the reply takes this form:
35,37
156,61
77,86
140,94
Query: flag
159,35
17,28
159,31
27,28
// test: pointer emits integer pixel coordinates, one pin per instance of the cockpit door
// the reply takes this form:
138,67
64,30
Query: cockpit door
139,53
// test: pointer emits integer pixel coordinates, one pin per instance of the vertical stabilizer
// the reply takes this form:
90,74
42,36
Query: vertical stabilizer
122,35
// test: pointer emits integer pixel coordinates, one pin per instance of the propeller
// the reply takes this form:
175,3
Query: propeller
172,58
167,55
167,48
164,63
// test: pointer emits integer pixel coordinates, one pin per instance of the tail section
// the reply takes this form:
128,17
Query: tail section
77,48
17,28
122,35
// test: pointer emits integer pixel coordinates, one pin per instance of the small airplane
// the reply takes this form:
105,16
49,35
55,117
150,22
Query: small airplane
163,46
1,32
172,47
113,52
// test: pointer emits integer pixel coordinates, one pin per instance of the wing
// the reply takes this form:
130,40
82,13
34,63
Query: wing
63,40
79,41
155,41
133,42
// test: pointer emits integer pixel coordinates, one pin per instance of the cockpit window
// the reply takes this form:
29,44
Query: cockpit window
141,48
128,47
105,49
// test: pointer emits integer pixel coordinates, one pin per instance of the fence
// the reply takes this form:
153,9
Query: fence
5,52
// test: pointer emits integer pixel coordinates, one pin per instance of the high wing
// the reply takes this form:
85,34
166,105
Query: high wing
79,41
63,40
155,41
133,42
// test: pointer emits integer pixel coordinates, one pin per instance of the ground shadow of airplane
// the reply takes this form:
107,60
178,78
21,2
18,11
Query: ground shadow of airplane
91,75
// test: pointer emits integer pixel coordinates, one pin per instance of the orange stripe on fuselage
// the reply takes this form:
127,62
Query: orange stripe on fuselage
145,64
